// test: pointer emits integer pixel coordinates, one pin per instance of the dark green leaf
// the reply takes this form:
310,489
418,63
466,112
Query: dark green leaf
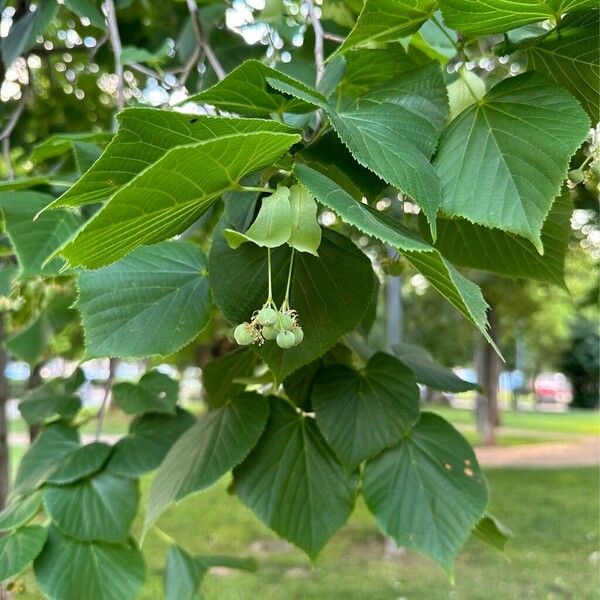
293,482
47,401
219,375
152,302
477,247
245,91
150,438
482,17
87,9
569,55
98,508
20,511
442,275
360,413
427,492
85,461
219,441
45,456
492,531
524,131
19,548
36,240
145,136
341,278
105,571
387,21
183,575
155,393
430,373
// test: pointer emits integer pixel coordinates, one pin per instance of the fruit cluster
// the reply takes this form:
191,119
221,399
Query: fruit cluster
268,323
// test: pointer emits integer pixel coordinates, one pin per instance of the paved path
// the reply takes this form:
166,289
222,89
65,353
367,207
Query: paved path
576,452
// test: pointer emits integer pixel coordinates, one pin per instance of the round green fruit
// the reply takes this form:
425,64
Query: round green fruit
576,176
286,340
298,334
286,321
269,332
267,316
244,334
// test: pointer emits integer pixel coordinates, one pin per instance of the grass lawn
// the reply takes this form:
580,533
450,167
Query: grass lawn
554,514
574,421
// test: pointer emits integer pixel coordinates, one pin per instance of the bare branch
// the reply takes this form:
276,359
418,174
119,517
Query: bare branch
333,37
318,29
203,42
14,117
112,367
149,73
115,42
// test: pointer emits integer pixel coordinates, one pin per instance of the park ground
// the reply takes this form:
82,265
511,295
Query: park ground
553,512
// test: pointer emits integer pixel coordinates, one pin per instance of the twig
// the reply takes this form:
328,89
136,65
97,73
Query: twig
333,37
203,42
149,73
10,172
14,117
319,34
99,45
115,42
112,367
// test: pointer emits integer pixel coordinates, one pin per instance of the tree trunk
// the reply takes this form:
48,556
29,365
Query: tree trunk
4,448
488,371
34,379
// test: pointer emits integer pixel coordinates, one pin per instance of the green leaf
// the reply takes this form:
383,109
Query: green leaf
293,482
108,571
47,401
154,301
245,91
464,91
87,9
387,21
459,291
20,511
272,226
430,373
145,136
393,131
183,575
180,194
369,69
477,247
85,154
24,31
29,343
219,376
23,183
306,233
360,413
133,54
46,455
19,548
85,461
155,393
219,440
493,532
427,492
61,143
8,274
481,17
98,508
150,438
568,55
341,278
524,132
36,240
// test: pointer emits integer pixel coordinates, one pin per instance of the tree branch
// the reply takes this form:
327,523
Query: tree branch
319,36
115,42
203,42
333,37
112,367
